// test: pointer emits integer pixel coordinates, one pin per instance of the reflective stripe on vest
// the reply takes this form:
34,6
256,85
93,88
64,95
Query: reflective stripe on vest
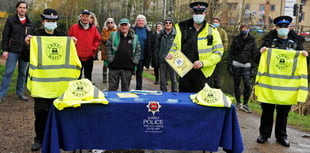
53,63
209,55
282,77
79,92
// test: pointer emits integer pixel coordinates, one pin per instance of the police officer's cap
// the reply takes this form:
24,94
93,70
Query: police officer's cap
282,21
50,14
198,7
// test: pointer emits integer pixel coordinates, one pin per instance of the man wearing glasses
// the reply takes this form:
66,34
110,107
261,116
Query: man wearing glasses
201,44
162,47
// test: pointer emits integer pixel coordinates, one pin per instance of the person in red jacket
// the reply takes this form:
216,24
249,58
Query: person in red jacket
88,41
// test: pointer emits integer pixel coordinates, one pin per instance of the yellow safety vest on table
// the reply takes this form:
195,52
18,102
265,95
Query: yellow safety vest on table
80,92
282,77
53,63
211,97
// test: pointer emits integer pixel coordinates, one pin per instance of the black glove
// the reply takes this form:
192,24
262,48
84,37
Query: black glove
230,69
253,71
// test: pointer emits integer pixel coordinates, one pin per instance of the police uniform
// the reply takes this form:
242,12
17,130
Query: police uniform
272,40
204,45
42,103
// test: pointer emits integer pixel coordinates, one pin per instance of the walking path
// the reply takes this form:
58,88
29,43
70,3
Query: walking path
16,125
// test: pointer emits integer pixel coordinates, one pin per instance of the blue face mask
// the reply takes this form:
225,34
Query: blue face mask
283,32
198,18
244,32
50,26
216,25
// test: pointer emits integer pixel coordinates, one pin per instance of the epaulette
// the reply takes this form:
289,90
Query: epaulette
211,25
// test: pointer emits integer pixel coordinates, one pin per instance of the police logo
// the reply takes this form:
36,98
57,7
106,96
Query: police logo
153,107
179,61
211,96
54,51
281,62
79,88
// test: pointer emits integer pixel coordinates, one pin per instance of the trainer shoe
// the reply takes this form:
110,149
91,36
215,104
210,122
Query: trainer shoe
238,106
261,139
246,108
22,97
36,146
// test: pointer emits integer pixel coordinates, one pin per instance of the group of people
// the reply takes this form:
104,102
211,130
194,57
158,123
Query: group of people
126,49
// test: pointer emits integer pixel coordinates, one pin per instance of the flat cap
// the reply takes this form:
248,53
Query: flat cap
123,21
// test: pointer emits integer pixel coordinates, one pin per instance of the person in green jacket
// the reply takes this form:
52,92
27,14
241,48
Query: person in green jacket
123,55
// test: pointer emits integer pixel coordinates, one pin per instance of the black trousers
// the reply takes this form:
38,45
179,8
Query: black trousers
215,77
41,109
193,81
245,75
266,121
87,67
139,75
156,73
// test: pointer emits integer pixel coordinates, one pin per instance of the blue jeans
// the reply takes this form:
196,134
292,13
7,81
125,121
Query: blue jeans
7,76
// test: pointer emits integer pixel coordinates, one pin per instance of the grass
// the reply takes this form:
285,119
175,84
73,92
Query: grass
294,119
13,81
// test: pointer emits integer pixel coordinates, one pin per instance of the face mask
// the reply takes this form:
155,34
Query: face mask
244,32
50,26
216,25
283,32
198,18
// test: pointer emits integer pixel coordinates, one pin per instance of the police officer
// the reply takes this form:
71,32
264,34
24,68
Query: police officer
42,104
281,38
201,44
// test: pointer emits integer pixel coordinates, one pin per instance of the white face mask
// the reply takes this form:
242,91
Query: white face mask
198,18
50,26
283,32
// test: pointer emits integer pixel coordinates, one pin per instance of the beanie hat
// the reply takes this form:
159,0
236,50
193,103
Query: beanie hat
169,19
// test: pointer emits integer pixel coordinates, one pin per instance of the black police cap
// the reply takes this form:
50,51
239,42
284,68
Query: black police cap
198,7
282,21
50,14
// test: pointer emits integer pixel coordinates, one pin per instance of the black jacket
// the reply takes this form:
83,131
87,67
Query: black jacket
14,33
271,39
243,50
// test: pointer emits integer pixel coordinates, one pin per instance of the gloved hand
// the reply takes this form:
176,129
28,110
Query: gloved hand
253,71
230,69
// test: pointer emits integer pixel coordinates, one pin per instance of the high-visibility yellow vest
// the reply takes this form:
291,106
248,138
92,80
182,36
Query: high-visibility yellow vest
80,92
209,55
53,63
211,97
282,77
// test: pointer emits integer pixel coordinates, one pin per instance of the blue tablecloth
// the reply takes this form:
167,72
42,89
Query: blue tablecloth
171,122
